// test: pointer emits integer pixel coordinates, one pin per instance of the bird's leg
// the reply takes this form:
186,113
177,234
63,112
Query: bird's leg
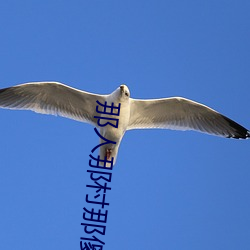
108,153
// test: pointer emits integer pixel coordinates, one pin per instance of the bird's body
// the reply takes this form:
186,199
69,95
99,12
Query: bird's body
167,113
112,133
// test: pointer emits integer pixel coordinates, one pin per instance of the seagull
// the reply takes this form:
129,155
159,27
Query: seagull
176,113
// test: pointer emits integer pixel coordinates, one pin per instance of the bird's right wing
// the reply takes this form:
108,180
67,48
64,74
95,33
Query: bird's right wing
52,98
182,114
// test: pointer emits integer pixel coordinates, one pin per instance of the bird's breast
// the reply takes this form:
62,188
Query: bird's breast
117,127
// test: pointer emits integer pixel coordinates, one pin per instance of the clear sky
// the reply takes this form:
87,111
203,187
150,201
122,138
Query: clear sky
170,190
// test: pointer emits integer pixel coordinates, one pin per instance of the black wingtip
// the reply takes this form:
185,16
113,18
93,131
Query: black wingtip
239,131
3,90
248,134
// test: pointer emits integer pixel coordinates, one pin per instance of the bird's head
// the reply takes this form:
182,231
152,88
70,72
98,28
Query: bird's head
121,94
124,91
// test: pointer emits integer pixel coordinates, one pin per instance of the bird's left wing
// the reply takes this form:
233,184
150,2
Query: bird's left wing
182,114
52,98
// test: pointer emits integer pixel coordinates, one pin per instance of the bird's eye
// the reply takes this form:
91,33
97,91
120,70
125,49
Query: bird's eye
126,93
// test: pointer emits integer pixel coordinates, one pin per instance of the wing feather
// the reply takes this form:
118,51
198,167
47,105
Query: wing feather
52,98
182,114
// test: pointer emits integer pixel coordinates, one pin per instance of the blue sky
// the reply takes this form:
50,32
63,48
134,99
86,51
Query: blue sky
170,190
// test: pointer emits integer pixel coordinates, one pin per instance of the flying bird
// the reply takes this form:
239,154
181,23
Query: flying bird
175,113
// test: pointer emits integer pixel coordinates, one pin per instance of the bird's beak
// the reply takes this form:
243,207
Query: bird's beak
122,88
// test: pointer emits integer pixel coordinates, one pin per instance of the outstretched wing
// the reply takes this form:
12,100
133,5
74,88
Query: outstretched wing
182,114
52,98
